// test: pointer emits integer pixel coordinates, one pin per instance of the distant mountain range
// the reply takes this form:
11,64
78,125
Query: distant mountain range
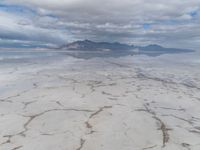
88,45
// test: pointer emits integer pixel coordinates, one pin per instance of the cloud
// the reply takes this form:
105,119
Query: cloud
171,23
14,28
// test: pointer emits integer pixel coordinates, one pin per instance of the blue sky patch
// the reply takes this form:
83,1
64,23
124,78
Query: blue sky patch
16,9
146,26
193,13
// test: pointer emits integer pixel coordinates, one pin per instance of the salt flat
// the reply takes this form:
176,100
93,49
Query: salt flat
127,103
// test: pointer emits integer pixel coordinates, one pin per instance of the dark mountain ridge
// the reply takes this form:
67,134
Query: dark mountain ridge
90,45
118,49
93,46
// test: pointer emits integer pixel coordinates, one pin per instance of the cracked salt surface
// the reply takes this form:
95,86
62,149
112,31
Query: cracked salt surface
129,103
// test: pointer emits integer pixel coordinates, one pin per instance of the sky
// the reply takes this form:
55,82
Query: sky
50,23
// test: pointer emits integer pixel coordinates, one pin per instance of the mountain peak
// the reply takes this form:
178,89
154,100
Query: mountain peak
86,40
154,45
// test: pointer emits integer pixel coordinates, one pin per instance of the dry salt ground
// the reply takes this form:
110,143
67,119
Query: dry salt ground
128,103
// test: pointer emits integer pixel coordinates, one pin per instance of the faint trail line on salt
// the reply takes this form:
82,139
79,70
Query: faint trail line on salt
82,142
142,75
88,124
163,127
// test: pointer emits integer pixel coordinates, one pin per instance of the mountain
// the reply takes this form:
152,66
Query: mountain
157,48
88,45
91,46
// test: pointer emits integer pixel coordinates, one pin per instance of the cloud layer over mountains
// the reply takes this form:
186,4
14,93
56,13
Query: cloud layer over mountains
51,22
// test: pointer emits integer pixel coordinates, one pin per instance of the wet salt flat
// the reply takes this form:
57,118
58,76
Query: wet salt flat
59,102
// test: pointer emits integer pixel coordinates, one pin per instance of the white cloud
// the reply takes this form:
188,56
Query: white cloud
20,28
64,20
